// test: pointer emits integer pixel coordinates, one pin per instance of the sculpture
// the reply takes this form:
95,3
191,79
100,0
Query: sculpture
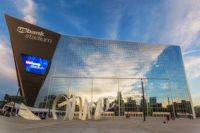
84,111
26,113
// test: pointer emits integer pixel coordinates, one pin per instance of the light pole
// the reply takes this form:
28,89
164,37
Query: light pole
143,98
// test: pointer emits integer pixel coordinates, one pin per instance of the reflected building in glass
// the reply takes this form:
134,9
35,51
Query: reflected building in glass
96,68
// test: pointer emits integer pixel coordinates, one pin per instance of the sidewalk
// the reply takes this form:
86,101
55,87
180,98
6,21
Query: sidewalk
115,125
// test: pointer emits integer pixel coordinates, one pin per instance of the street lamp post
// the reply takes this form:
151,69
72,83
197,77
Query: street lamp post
143,100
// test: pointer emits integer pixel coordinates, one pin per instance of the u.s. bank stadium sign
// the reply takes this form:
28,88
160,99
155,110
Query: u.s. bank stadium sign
33,35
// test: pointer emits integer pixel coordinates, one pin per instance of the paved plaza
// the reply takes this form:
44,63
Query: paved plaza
111,125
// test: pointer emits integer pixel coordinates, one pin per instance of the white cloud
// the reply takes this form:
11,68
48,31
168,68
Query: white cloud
28,9
115,14
191,52
182,23
7,63
77,22
192,65
8,77
196,98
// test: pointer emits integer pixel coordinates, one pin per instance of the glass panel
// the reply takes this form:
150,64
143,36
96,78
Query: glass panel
130,94
106,89
158,97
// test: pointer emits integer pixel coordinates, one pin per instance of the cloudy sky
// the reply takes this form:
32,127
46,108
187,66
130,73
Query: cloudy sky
166,22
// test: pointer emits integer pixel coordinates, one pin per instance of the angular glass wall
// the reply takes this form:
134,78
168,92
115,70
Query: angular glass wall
96,68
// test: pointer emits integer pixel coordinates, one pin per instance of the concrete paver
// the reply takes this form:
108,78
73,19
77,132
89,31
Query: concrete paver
116,125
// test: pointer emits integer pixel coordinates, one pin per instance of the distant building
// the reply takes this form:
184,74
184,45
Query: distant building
197,111
16,99
152,100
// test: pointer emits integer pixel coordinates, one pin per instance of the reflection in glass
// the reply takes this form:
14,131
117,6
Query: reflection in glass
93,69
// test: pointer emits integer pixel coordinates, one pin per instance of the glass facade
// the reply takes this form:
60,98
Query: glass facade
116,71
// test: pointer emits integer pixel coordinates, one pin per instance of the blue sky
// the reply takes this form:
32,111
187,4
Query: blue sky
166,22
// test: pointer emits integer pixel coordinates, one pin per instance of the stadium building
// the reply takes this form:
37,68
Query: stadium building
49,63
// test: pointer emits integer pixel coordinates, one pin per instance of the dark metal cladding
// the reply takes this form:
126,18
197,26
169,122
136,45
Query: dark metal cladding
32,40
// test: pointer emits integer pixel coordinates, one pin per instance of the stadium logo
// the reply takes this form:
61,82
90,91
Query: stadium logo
27,30
34,64
33,35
